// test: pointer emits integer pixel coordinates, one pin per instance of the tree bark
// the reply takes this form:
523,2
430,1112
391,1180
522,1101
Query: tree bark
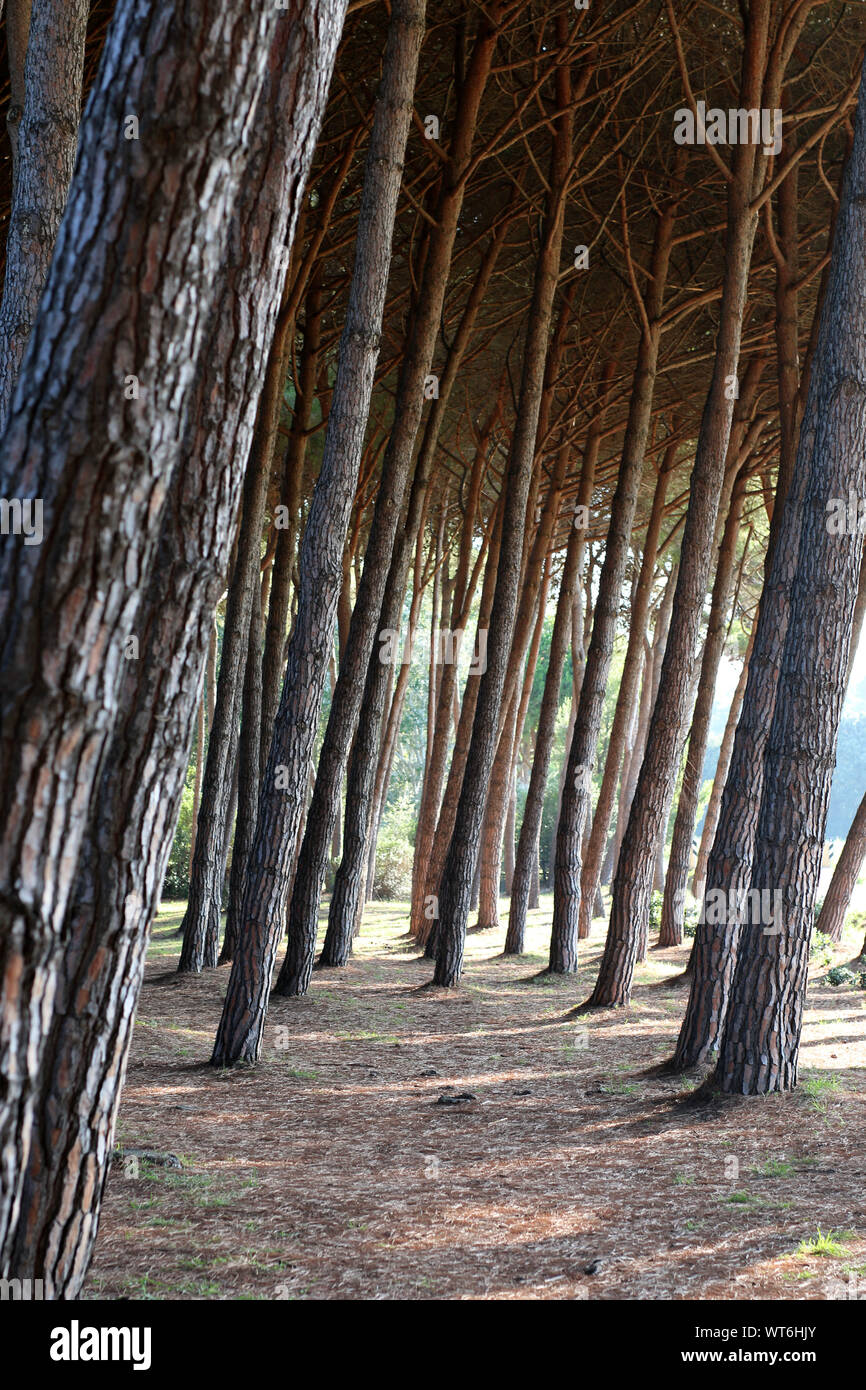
100,461
239,1036
294,977
44,145
759,1045
455,891
130,826
632,886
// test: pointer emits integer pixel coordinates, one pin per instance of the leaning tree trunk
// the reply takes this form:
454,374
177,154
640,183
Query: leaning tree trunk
239,1036
202,918
577,784
94,434
760,1041
627,698
455,890
249,774
831,918
632,887
46,137
673,905
527,845
711,818
296,971
130,827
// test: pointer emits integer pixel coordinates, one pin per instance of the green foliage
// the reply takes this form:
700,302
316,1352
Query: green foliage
176,883
841,975
827,1243
821,949
394,849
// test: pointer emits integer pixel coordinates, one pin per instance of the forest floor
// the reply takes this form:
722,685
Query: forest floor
332,1170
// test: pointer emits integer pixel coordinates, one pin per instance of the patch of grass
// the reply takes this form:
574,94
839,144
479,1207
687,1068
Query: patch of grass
743,1199
775,1168
830,1244
819,1089
684,1179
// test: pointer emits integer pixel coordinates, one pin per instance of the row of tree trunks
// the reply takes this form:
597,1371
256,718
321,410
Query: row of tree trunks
673,905
347,899
294,977
94,433
627,698
633,883
239,1037
201,926
455,891
574,809
130,825
526,858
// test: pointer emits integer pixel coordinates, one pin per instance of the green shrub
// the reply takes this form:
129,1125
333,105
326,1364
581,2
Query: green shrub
821,949
394,850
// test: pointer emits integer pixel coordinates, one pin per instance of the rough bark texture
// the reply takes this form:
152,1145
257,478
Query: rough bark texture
45,144
129,293
132,820
321,562
632,886
760,1042
577,784
455,892
294,977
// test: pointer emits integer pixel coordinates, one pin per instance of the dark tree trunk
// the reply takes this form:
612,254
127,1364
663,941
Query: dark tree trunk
239,1036
294,977
760,1041
711,818
249,774
130,827
88,451
632,886
577,785
455,891
45,139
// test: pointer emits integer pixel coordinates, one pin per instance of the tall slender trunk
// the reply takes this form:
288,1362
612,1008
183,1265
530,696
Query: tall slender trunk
581,757
455,892
294,977
202,918
711,818
627,699
632,886
130,827
239,1036
759,1044
559,643
673,906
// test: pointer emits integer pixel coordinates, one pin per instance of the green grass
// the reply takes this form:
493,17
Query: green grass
830,1244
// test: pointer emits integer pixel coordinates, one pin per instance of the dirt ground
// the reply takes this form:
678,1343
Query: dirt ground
332,1171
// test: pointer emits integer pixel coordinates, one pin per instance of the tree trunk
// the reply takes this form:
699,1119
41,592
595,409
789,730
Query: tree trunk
455,892
294,977
760,1040
44,141
711,819
194,76
671,932
831,918
577,784
129,832
239,1036
632,886
249,774
627,699
202,918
